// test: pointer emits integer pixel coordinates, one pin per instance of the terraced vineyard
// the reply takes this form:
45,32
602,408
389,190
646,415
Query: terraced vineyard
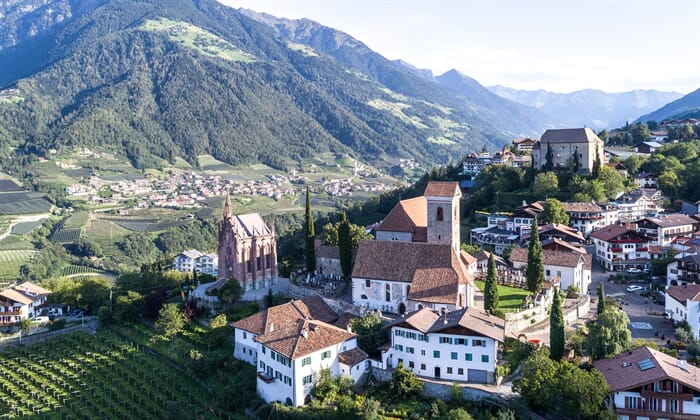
11,261
78,269
105,376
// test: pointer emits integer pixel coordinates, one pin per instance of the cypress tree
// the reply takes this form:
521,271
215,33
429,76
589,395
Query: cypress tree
595,171
310,236
345,245
491,287
601,299
556,328
535,260
549,159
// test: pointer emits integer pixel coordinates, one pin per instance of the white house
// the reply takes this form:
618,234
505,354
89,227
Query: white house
291,343
190,260
663,230
460,345
20,302
619,247
683,269
572,268
683,304
647,384
588,217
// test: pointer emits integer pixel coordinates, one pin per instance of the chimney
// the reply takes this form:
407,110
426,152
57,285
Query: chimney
305,332
681,364
272,327
349,328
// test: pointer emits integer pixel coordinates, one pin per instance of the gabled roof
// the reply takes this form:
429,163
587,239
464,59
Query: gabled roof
611,232
31,288
685,293
407,216
296,338
569,135
442,189
472,319
558,243
15,296
312,307
352,357
434,271
671,220
642,366
191,253
551,257
558,228
580,207
467,258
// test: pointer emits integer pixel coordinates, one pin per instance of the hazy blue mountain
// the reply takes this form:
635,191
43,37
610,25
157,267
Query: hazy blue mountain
686,107
589,107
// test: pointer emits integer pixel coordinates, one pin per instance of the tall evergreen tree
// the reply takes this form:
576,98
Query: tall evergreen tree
556,328
595,171
535,260
310,236
345,245
576,162
601,299
491,287
549,159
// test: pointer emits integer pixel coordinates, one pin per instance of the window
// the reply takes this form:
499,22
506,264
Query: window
363,297
449,370
262,365
439,216
307,379
245,335
485,358
398,347
559,274
445,340
259,262
411,365
287,380
410,350
453,355
468,357
326,355
264,350
273,355
387,292
306,361
367,283
460,371
422,352
436,354
479,343
460,341
547,272
422,366
278,375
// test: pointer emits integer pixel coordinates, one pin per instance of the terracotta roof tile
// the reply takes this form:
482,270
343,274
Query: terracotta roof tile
31,288
434,271
312,307
406,216
345,319
672,220
610,232
685,293
16,296
442,189
551,257
623,371
579,207
288,338
475,320
352,357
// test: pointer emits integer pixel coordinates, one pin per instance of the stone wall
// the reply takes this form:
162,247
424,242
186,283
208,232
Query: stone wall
519,321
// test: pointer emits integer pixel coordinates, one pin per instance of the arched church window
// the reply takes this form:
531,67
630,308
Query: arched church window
440,216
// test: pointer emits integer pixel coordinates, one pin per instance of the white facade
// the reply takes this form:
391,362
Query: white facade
577,276
688,311
194,260
392,296
394,236
665,408
246,348
443,356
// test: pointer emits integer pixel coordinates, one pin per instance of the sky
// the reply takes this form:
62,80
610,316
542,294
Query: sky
556,45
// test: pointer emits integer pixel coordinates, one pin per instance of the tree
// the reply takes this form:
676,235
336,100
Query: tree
127,307
309,236
538,381
230,292
357,233
554,212
556,328
601,299
535,260
170,320
345,245
405,384
26,326
548,159
370,334
457,414
575,162
88,248
640,133
595,170
609,334
613,182
546,183
491,287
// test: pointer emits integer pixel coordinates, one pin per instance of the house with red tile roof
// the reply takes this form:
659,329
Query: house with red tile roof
663,230
647,384
683,304
571,268
620,247
20,302
291,343
460,345
416,260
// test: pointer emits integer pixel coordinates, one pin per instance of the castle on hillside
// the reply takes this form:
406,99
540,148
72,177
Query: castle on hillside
247,250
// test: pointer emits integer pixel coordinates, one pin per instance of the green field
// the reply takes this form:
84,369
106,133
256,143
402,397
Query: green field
510,299
77,220
103,376
11,261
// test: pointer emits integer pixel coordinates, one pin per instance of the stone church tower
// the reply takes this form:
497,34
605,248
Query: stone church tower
443,213
247,250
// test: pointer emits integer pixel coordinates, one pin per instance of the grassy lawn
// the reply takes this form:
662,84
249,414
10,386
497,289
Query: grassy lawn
510,299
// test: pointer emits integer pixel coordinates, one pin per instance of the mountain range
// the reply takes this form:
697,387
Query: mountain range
159,79
686,107
589,107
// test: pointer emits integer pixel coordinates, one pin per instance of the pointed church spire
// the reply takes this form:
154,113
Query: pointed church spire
227,207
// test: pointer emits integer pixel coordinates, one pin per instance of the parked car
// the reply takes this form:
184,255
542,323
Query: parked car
633,270
634,288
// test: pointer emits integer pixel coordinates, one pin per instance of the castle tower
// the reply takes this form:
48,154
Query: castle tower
443,213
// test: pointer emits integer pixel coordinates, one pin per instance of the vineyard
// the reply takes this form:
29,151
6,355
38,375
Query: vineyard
61,235
11,261
146,224
77,220
72,269
22,228
105,376
21,202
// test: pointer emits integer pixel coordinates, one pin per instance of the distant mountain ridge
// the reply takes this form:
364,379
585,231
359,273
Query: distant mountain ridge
687,106
590,107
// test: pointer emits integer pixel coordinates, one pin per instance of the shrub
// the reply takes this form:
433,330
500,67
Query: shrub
58,324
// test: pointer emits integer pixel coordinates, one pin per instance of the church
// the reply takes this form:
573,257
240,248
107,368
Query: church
416,261
247,250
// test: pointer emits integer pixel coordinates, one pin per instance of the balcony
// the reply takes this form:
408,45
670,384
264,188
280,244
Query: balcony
655,414
616,249
642,249
10,313
666,395
267,379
